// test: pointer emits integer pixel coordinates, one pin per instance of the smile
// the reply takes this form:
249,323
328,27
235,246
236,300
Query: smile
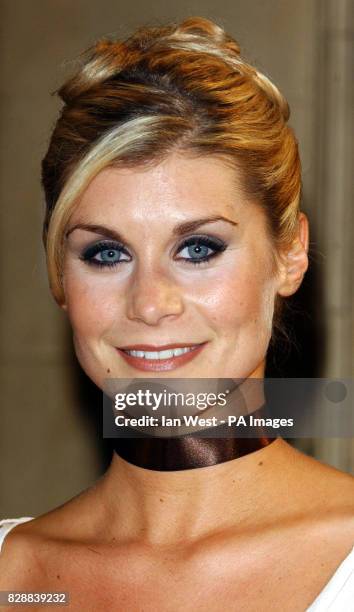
161,354
163,359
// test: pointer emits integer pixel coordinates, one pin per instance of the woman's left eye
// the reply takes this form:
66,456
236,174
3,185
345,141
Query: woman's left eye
199,249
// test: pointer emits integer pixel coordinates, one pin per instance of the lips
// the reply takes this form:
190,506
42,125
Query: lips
159,358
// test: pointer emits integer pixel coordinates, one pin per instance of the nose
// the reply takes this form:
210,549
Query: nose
153,296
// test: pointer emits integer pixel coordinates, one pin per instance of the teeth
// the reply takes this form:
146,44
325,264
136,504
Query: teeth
160,354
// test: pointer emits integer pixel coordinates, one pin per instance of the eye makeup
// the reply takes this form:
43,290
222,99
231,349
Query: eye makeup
104,253
201,249
198,249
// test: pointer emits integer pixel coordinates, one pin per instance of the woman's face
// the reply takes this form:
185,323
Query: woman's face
170,256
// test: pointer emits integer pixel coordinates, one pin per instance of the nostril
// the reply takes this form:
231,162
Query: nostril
152,303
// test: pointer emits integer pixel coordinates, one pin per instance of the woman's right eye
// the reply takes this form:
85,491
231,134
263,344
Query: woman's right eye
104,254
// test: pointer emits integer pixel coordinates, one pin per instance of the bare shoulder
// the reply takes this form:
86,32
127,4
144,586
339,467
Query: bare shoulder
335,492
29,548
18,561
329,477
324,492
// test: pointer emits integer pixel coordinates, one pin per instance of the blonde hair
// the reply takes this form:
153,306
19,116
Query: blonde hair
177,87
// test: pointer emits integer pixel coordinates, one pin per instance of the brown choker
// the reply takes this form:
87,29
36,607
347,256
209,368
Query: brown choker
191,451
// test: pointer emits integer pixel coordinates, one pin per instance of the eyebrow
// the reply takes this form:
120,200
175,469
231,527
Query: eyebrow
178,230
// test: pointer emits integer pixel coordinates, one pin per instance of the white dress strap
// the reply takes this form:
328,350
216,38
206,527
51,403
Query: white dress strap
7,524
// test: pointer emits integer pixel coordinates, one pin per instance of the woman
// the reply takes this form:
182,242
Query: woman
172,183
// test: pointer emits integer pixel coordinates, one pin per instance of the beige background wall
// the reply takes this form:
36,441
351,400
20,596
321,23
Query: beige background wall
49,427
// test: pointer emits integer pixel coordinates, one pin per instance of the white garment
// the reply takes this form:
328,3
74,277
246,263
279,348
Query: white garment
337,595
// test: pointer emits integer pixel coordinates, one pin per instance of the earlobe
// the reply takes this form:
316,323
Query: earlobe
295,260
303,231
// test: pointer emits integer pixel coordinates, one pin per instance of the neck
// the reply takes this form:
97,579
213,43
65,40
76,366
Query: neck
197,447
204,485
180,507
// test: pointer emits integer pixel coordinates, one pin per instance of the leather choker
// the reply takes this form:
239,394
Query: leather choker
191,451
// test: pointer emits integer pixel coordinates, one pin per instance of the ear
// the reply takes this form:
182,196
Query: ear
294,261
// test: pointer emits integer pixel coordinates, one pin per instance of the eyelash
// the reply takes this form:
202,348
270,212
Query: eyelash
89,253
216,244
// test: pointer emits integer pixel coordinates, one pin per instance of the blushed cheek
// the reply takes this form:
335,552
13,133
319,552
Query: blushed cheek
90,308
239,300
91,313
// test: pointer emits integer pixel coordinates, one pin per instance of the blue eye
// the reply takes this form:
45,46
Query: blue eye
194,250
199,249
109,255
104,254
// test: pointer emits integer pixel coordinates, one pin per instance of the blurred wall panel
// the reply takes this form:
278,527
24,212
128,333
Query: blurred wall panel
333,215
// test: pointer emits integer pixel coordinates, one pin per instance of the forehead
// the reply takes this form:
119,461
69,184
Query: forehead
172,189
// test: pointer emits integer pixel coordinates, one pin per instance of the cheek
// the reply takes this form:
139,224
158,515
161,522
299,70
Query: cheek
91,306
237,297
